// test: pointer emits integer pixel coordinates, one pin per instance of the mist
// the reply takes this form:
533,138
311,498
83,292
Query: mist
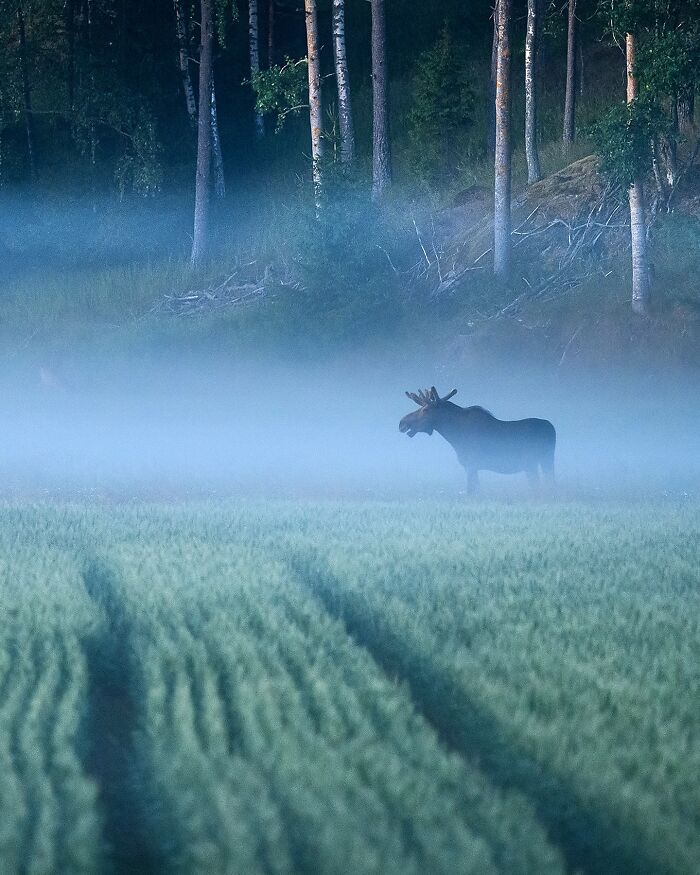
209,424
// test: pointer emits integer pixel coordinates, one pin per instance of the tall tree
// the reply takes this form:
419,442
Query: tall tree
254,51
217,154
491,112
181,30
532,37
70,39
686,112
570,96
315,100
200,237
347,129
271,32
641,286
184,62
381,143
502,163
26,93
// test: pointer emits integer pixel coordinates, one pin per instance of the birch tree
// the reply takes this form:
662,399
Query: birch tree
70,40
181,30
254,51
200,237
26,93
315,99
183,55
347,129
381,143
570,95
491,111
502,163
532,38
271,33
641,286
217,153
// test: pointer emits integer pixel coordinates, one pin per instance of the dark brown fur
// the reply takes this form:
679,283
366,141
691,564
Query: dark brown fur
482,442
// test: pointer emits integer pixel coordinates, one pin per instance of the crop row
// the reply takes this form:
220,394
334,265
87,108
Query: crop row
567,645
276,744
50,820
349,688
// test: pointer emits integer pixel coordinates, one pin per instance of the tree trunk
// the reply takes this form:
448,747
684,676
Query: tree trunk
190,102
184,62
686,113
70,35
219,179
347,130
26,95
200,237
580,67
315,100
253,44
381,143
640,266
491,124
502,174
271,33
570,98
531,91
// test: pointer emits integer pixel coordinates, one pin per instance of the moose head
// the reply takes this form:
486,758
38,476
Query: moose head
423,419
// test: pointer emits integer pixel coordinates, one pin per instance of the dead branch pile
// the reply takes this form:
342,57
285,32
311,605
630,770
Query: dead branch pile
243,286
567,229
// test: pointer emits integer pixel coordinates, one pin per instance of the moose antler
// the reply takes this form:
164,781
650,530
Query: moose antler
429,397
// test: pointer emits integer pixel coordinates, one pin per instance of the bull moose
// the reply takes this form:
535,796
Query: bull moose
482,442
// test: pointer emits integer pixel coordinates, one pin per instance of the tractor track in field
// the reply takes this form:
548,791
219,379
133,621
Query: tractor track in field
587,838
111,725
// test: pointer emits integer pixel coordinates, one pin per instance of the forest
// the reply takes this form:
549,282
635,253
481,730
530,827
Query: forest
308,176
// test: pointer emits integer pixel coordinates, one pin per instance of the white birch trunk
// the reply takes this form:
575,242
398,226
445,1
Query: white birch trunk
381,143
271,34
491,125
347,129
502,164
253,42
531,75
641,286
200,236
315,100
570,98
217,156
184,63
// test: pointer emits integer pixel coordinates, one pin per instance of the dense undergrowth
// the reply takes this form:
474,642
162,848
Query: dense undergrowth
350,688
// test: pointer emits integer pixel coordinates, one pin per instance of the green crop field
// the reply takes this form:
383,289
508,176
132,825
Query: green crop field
279,687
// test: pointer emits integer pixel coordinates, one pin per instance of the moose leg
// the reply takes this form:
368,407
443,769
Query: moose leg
548,471
533,478
472,481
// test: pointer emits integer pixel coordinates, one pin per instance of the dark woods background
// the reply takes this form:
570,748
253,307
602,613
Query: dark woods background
107,107
97,178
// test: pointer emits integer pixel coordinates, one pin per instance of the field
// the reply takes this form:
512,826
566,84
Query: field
428,687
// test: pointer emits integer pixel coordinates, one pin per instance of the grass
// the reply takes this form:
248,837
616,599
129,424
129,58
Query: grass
347,687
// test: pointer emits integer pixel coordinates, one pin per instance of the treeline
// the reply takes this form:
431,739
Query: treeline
141,88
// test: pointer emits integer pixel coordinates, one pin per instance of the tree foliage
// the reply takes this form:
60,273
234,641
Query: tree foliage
442,108
667,67
281,90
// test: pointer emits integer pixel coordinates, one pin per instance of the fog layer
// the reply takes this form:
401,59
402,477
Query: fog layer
209,424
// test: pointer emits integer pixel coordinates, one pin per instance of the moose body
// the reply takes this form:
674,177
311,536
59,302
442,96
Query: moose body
483,442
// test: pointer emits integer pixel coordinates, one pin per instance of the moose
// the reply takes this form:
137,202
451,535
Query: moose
482,442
